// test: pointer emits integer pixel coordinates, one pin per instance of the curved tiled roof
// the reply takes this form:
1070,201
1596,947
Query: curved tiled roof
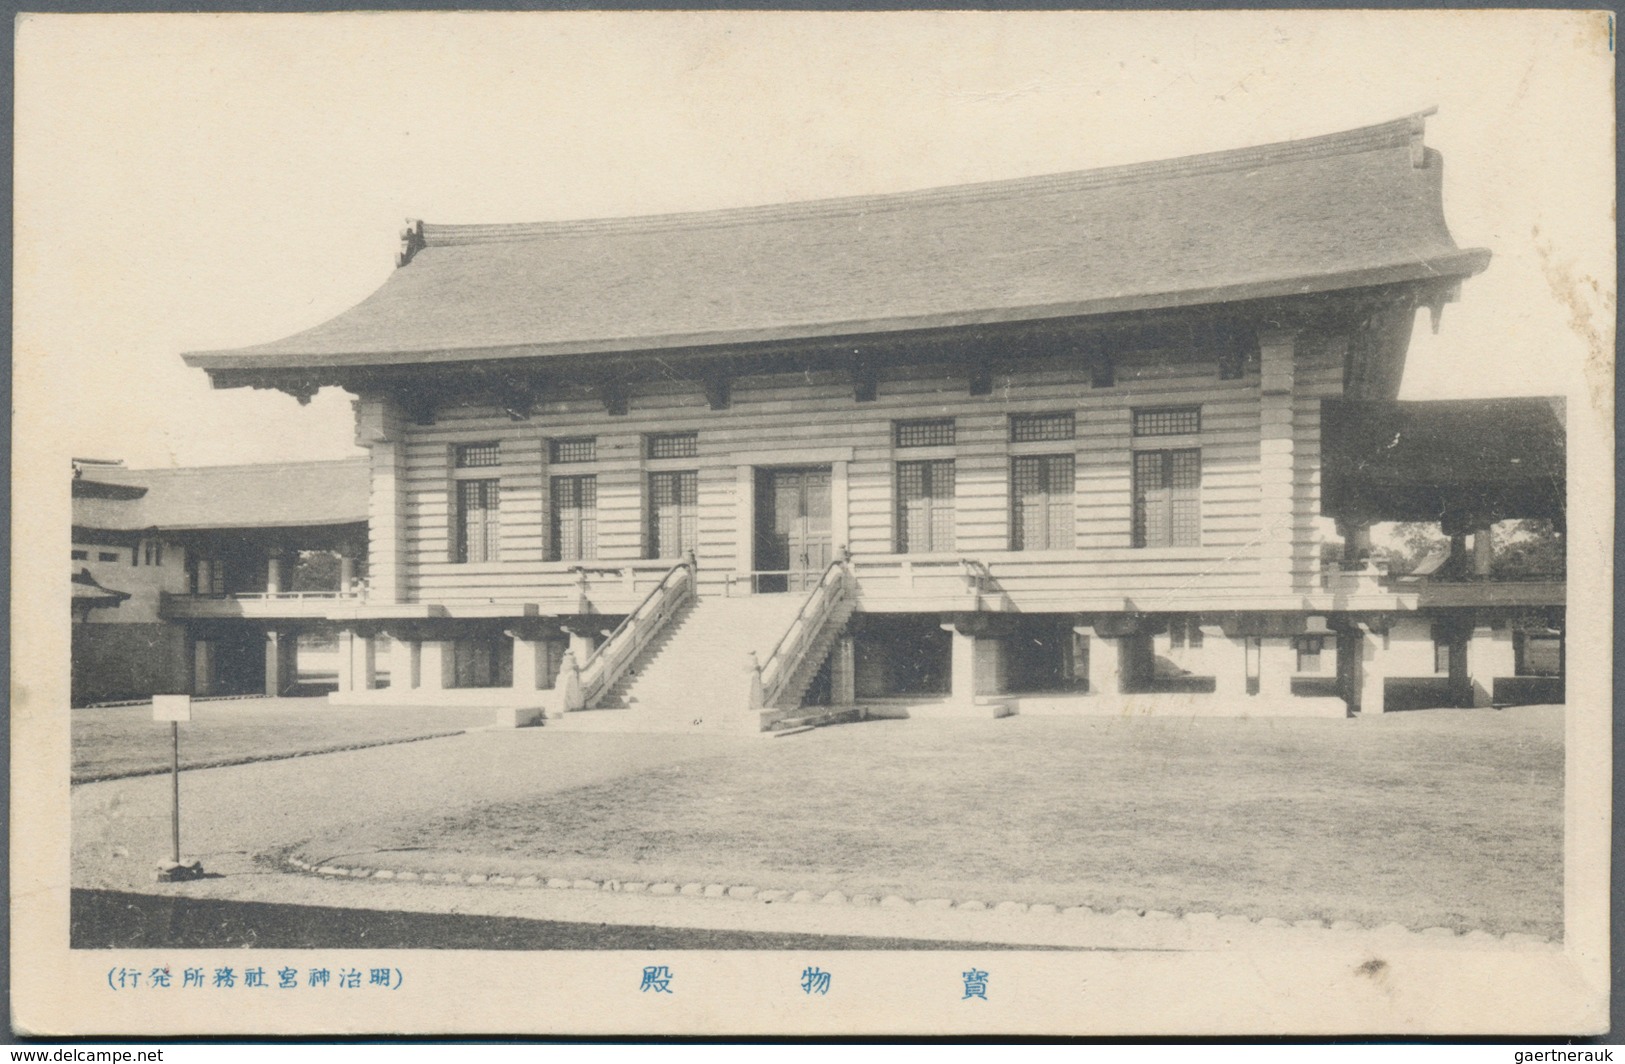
279,495
1345,210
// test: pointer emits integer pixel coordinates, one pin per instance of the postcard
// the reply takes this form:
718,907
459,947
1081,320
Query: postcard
813,523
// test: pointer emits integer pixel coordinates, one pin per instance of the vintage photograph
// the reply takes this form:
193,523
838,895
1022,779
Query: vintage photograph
995,494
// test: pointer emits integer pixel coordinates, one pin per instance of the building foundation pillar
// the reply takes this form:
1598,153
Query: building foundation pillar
1369,669
203,667
1490,657
962,684
1277,661
1225,660
1109,669
435,665
405,663
531,659
843,673
358,662
279,662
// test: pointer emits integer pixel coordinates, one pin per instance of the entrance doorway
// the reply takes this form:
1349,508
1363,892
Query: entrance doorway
793,542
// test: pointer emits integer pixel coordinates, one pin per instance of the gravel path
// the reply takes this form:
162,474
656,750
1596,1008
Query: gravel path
229,815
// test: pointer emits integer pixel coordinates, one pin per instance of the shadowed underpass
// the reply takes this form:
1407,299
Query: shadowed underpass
109,919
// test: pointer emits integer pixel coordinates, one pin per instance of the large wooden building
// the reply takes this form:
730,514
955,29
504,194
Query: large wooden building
1059,444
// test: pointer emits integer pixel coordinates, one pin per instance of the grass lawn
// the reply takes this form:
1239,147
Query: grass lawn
125,741
1447,817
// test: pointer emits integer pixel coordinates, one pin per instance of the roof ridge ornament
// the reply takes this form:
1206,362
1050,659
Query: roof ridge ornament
411,242
1419,151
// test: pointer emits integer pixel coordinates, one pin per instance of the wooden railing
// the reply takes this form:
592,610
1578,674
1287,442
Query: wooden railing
768,679
606,664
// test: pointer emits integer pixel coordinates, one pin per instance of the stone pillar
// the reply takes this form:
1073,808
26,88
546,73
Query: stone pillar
1277,661
1458,551
1369,669
744,521
273,571
203,667
1461,682
843,673
405,663
530,661
1108,671
435,666
366,667
1225,660
962,689
1490,657
279,650
1277,375
380,428
989,665
358,662
1356,541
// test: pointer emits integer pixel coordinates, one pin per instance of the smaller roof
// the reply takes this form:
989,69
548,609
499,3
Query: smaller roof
280,495
1443,460
90,594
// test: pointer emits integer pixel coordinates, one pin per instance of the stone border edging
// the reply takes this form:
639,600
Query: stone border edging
1194,920
233,762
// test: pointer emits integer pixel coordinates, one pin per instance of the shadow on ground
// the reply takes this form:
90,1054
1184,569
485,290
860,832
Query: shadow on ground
108,919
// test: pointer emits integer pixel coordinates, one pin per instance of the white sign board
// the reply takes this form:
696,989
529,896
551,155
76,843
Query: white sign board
172,707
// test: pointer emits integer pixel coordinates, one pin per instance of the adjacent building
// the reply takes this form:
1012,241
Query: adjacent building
210,580
1090,442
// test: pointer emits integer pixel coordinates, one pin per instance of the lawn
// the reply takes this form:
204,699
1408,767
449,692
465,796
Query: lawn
125,741
1449,817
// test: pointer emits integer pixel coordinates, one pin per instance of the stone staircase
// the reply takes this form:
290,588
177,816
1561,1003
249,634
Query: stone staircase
696,674
817,653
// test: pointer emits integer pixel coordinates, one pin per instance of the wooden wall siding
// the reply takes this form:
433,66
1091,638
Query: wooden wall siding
790,414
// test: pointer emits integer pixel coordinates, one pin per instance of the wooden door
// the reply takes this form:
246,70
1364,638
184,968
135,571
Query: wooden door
796,537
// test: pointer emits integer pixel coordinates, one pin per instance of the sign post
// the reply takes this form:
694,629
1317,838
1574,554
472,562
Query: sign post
174,709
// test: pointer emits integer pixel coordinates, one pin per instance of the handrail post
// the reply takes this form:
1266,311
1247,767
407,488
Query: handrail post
756,694
569,683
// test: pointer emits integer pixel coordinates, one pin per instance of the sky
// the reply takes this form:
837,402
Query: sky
195,182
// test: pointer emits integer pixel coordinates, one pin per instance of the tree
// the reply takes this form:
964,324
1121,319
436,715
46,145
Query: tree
1410,542
316,570
1528,548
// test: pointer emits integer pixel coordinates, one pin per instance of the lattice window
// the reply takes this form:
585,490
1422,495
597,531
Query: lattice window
579,449
673,513
927,432
674,445
1168,421
925,507
1032,428
1041,514
478,455
1167,498
479,526
574,518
